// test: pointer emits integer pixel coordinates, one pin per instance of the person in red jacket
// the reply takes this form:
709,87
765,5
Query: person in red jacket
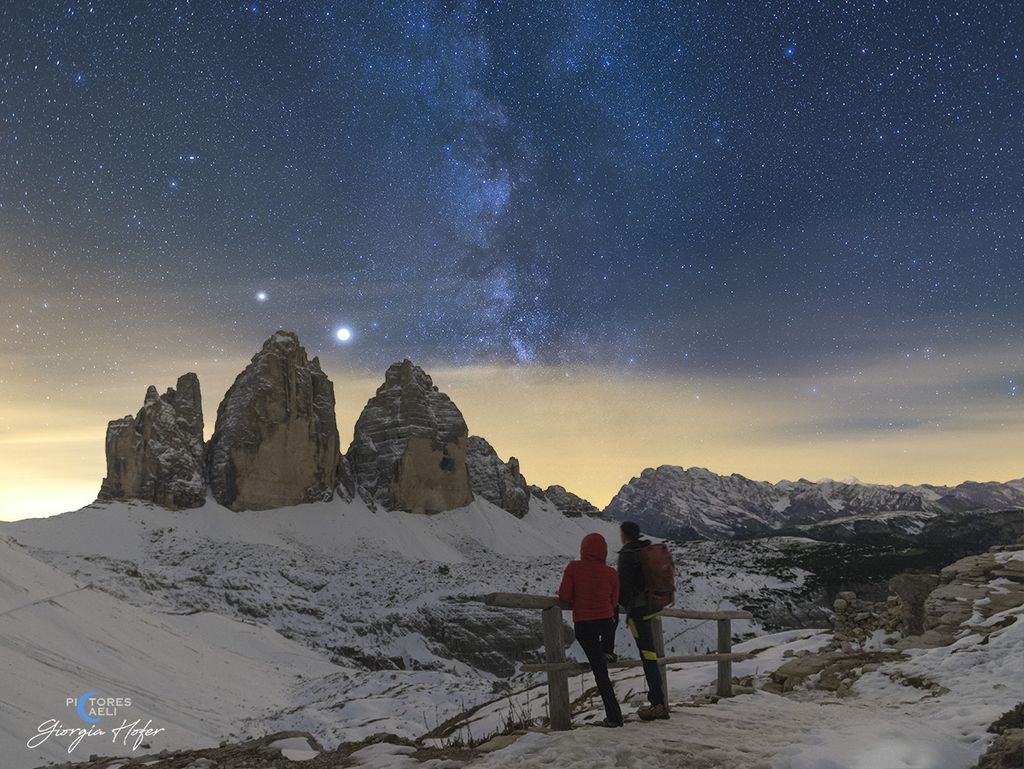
590,587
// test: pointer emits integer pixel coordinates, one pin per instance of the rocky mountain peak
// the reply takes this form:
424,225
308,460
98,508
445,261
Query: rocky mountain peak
276,444
405,373
408,450
276,441
568,504
286,339
158,455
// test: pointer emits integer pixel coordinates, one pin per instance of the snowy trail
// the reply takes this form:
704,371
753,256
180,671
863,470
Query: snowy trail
883,725
758,731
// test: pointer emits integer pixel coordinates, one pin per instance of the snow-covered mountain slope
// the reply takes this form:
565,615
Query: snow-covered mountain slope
326,617
378,612
696,503
375,589
395,590
199,677
382,607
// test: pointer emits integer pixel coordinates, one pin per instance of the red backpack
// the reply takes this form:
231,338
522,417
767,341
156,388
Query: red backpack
659,575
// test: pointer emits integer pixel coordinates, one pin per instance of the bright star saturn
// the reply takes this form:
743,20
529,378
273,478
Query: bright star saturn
343,334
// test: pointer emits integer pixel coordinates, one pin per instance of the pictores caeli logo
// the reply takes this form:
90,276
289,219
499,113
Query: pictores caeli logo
91,708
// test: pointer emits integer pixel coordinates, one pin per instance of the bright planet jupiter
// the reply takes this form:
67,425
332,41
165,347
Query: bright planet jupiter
781,239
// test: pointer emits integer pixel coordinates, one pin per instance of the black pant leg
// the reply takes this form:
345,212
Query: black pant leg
640,627
589,633
608,639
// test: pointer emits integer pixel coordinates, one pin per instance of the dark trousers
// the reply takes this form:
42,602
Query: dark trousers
595,637
639,621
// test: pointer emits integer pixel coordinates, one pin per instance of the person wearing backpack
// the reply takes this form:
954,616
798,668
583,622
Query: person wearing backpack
590,587
646,586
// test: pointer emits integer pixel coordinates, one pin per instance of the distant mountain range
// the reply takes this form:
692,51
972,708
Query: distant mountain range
695,503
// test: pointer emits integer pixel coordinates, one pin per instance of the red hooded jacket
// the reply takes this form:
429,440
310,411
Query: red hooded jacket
589,585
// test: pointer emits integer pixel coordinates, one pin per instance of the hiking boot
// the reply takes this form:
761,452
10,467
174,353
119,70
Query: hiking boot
652,712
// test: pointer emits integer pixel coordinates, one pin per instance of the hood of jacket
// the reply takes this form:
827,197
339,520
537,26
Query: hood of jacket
594,548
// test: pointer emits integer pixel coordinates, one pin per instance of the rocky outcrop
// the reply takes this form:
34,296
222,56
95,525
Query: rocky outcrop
855,620
1007,749
502,484
912,590
275,442
972,590
568,504
489,639
409,447
975,597
832,670
498,482
158,455
927,610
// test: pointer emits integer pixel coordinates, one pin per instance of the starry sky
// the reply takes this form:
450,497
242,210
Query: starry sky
779,238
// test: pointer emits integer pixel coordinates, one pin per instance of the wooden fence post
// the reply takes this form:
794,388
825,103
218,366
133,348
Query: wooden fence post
725,666
659,649
558,680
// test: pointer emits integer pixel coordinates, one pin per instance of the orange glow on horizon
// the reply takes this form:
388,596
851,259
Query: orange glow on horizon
587,429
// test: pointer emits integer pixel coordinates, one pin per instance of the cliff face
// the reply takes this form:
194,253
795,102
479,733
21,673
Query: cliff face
276,438
158,455
498,482
408,451
276,443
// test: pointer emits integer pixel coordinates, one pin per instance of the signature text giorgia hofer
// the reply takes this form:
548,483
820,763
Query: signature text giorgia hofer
128,731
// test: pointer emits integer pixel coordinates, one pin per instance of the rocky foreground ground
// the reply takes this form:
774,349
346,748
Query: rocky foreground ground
281,750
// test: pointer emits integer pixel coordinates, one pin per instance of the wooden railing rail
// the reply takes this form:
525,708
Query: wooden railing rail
558,668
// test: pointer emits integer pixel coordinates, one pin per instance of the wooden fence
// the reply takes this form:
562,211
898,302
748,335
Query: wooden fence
558,668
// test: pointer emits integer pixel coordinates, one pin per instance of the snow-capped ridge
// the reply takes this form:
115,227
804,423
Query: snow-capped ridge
695,503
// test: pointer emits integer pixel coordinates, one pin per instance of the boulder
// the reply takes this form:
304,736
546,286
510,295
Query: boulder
158,455
912,590
498,482
276,442
408,450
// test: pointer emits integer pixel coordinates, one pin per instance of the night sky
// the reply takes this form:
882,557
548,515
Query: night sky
781,239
